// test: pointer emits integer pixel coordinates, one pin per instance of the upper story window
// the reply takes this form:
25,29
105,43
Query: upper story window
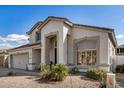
38,36
120,51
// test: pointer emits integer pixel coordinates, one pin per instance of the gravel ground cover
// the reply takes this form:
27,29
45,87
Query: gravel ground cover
21,80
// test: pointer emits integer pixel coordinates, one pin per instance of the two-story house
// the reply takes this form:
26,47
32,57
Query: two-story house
60,41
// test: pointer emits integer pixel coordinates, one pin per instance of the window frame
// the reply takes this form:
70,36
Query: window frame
120,51
38,36
86,50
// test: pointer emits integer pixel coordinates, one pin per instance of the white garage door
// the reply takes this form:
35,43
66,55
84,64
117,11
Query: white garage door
20,61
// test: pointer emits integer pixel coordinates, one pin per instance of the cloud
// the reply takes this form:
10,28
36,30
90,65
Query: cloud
120,36
16,37
13,40
122,20
6,45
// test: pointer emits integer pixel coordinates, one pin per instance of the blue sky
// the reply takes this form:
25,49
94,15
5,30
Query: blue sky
15,21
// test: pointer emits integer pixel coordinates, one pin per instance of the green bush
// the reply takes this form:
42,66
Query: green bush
120,69
10,73
45,69
99,75
57,72
39,67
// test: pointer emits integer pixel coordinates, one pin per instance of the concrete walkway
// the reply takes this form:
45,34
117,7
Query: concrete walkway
5,71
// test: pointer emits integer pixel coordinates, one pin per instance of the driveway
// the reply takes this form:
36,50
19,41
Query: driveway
4,71
23,79
120,79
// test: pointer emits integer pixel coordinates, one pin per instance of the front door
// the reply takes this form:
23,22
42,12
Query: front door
1,60
55,55
55,52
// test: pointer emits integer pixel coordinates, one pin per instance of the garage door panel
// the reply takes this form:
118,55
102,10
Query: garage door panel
1,60
20,61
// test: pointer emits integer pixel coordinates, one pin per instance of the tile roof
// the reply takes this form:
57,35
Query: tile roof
121,46
26,45
65,19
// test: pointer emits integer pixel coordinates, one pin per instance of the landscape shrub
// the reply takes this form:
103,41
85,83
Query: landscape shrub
74,70
120,69
10,73
45,69
56,72
39,67
99,75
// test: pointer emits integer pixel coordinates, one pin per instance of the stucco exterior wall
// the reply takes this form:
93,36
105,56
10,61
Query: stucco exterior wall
32,36
51,28
78,33
36,56
112,56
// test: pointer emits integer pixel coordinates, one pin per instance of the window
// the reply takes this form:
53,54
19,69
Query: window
86,57
117,50
38,35
120,51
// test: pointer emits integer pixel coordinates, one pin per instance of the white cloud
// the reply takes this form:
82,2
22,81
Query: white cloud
16,37
6,45
122,20
120,36
7,42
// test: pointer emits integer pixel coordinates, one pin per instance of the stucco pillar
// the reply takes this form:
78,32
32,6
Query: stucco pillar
9,61
31,66
104,53
30,56
62,47
43,51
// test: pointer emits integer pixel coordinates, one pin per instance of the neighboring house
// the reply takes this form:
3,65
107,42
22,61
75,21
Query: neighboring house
120,55
60,41
3,58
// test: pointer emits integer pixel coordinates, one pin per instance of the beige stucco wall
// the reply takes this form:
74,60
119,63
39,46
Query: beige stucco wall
36,56
78,33
112,56
120,60
55,28
32,36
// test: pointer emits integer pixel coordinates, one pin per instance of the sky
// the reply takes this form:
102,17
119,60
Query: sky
15,21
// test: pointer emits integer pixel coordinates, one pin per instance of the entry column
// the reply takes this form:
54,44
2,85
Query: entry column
62,47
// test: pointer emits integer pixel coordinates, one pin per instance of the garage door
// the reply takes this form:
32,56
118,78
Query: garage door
1,60
20,61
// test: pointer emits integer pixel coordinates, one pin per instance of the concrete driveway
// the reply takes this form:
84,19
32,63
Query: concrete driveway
4,72
120,80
